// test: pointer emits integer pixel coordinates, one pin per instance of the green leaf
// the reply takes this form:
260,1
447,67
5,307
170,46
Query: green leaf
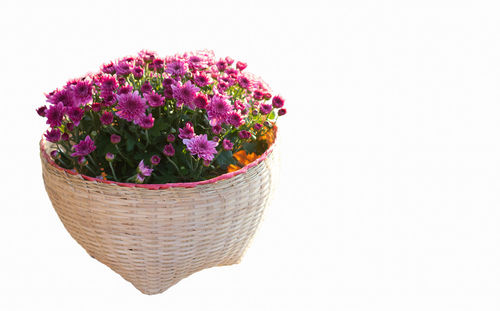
225,158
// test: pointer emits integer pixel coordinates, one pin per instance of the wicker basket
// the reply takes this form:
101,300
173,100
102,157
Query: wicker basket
156,235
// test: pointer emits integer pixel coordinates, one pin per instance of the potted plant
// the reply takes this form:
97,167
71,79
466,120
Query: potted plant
161,167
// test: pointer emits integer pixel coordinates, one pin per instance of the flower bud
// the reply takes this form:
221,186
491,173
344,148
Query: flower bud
110,157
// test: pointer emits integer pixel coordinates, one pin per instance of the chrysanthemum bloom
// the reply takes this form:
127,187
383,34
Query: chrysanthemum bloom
108,98
244,82
107,118
65,136
154,99
137,72
115,139
109,68
171,138
258,95
143,169
169,150
42,111
54,154
278,101
176,67
96,107
108,83
55,114
82,92
84,147
195,62
235,119
233,73
53,135
155,159
167,87
227,144
146,122
131,106
229,60
282,112
200,101
123,68
221,65
146,87
244,134
257,126
187,132
201,79
157,65
110,157
125,89
70,126
218,109
267,96
241,66
147,56
266,108
75,114
185,94
202,147
217,129
64,96
139,179
255,112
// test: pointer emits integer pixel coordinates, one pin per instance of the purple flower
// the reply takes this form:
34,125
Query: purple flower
138,72
123,68
227,144
171,138
70,126
146,122
201,79
146,87
126,89
108,98
176,67
282,112
229,60
96,107
241,66
82,92
115,139
108,68
53,135
42,111
155,159
218,109
157,64
202,147
185,94
131,106
109,157
169,150
235,119
84,147
65,96
147,56
139,179
187,132
154,99
55,114
257,126
265,108
217,129
244,82
244,134
107,118
221,65
258,95
143,169
278,101
108,83
200,101
75,114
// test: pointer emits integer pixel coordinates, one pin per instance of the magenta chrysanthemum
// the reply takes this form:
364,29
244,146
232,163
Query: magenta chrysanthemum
53,135
108,83
146,122
186,132
235,119
227,144
200,146
75,114
84,147
169,150
64,96
201,79
154,99
131,106
176,67
185,94
123,68
265,108
107,118
82,91
55,114
143,169
218,109
278,101
200,101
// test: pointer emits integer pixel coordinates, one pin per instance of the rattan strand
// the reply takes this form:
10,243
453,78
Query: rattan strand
155,238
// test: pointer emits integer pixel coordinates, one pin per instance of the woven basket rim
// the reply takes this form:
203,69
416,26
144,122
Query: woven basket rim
193,184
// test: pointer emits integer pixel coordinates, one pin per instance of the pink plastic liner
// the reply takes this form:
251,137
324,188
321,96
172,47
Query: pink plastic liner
159,186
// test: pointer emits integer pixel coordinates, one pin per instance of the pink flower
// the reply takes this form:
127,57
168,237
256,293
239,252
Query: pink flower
169,150
176,67
155,160
84,147
278,101
218,109
265,108
75,114
221,65
282,112
185,94
202,147
154,99
107,118
115,139
143,169
55,114
146,122
244,82
146,87
257,126
200,101
53,135
131,106
227,144
241,66
122,68
82,92
42,111
244,134
187,132
201,79
235,119
109,157
171,138
137,72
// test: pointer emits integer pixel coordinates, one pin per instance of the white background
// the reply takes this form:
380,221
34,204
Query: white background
389,195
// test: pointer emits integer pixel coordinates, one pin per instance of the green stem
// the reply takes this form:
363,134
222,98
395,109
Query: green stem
113,171
91,170
175,165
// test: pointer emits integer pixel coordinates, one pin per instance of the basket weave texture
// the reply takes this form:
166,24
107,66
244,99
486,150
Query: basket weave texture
155,238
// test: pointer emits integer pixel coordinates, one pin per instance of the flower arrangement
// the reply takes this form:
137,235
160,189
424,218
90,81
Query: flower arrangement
147,119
